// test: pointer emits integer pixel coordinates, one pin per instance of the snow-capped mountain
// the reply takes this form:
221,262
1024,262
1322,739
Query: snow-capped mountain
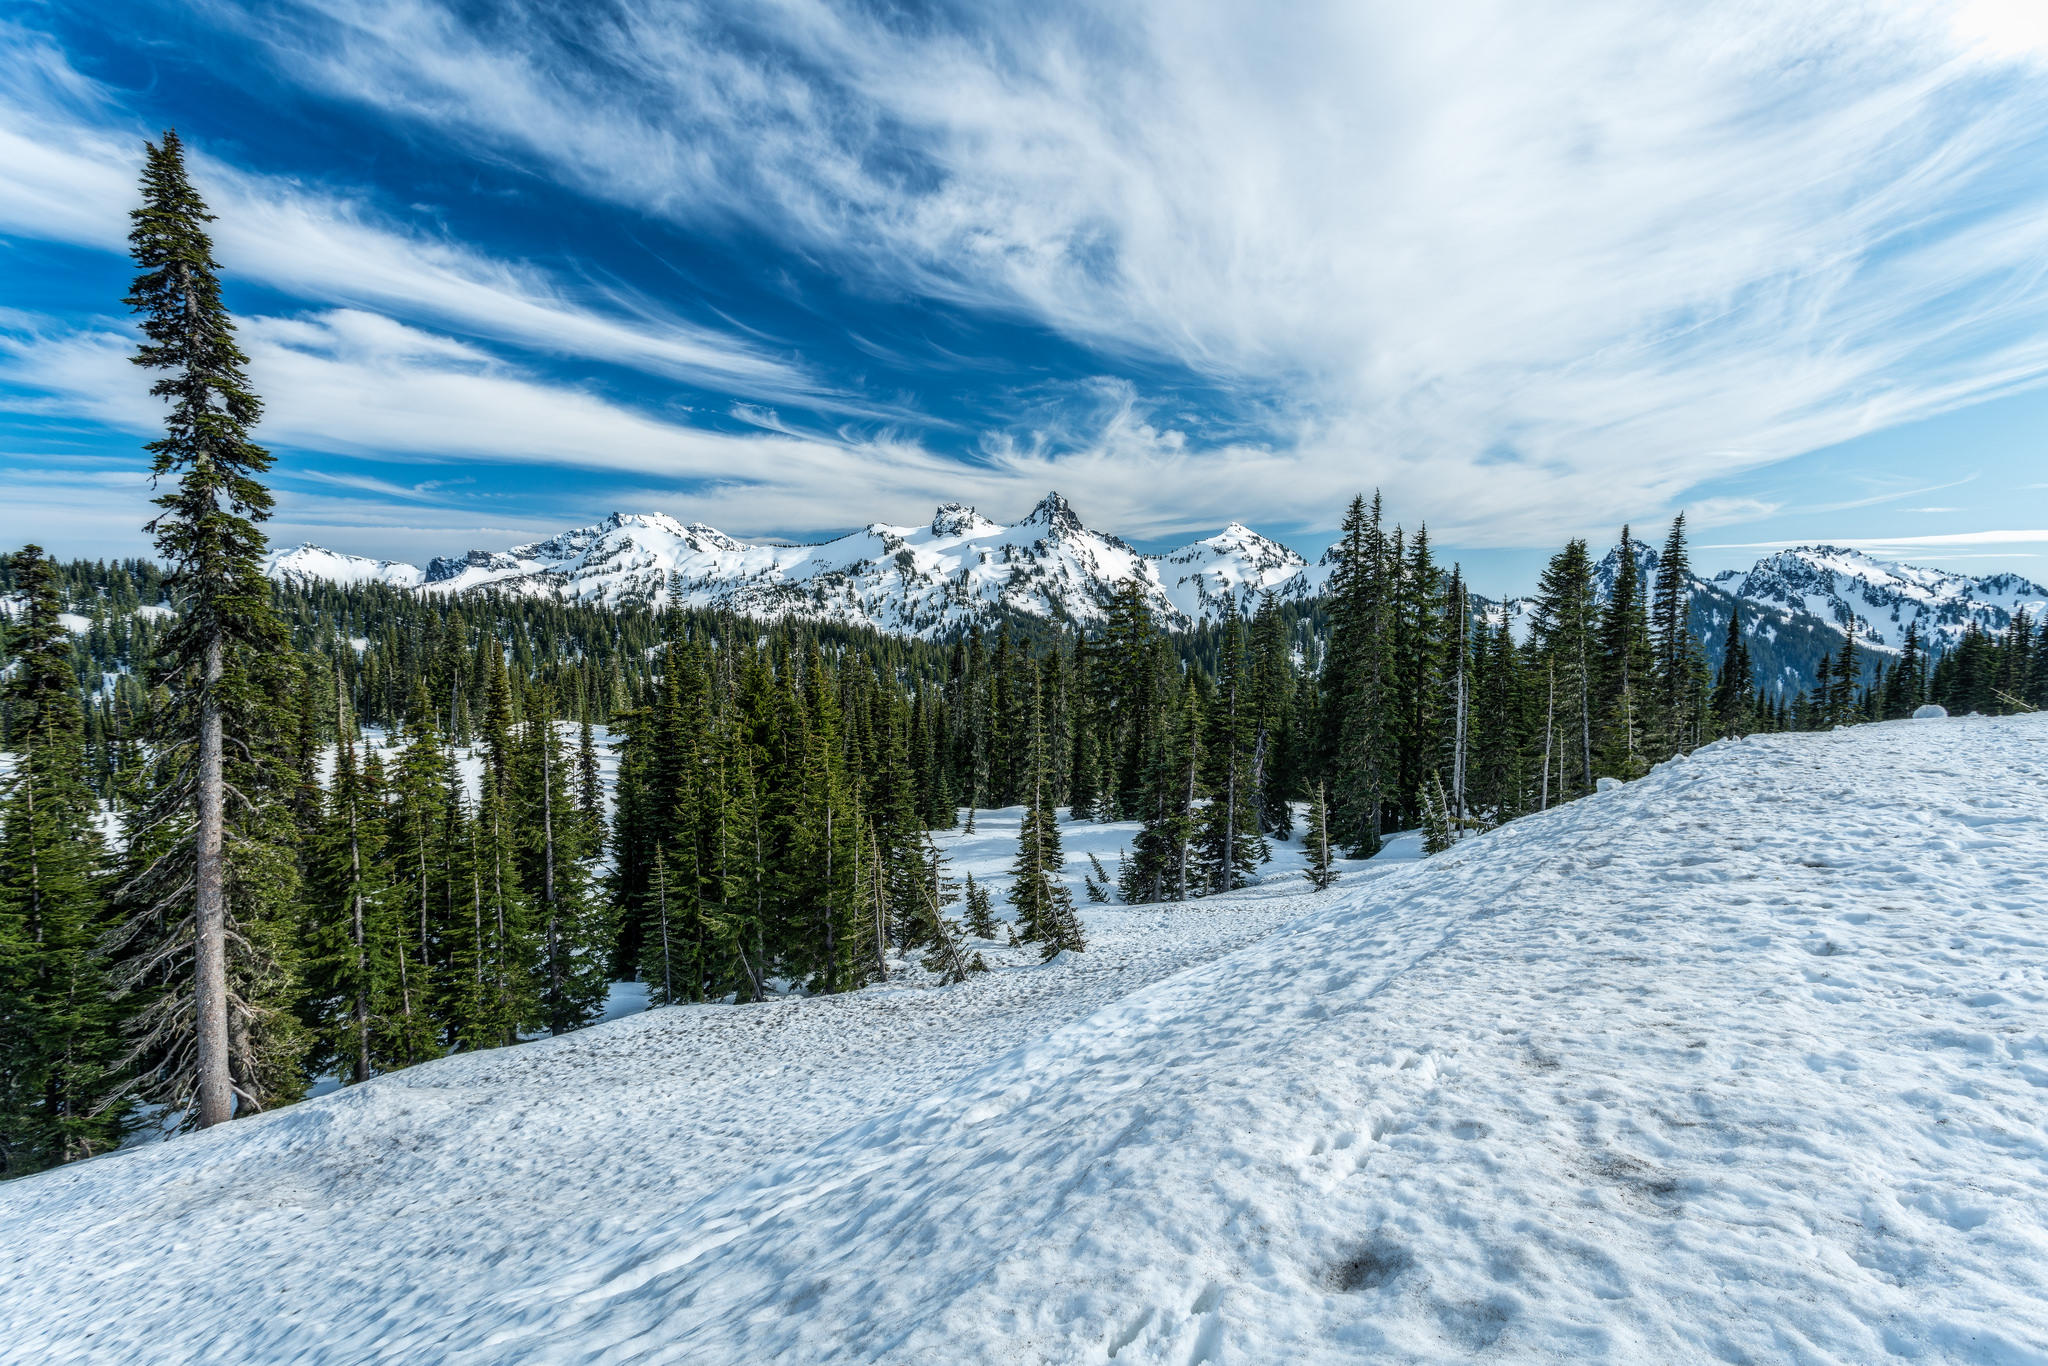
958,571
1795,603
963,570
311,564
1882,598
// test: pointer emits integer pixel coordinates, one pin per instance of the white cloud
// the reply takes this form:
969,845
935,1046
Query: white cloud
356,383
1536,263
68,163
1903,543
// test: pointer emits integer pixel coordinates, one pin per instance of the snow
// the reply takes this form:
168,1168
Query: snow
1930,711
959,570
308,564
1835,584
1743,1061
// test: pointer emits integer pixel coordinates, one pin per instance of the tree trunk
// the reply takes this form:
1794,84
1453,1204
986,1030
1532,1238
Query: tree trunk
547,834
362,1010
216,1095
1585,720
668,981
1458,741
1549,730
831,938
881,942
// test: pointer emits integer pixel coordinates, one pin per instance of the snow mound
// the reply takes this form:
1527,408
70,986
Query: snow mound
1744,1061
1930,712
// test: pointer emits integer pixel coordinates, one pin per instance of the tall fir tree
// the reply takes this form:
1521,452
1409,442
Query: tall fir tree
1563,631
1679,667
1622,671
1357,683
209,887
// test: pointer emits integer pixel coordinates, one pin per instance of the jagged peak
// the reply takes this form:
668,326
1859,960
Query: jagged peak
1055,512
956,519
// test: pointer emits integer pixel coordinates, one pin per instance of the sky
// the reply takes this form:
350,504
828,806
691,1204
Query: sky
1534,269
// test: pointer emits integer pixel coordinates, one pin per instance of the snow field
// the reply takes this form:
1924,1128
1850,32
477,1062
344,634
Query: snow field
1747,1061
364,1222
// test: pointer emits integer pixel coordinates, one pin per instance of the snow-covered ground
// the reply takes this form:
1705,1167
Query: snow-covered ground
1747,1061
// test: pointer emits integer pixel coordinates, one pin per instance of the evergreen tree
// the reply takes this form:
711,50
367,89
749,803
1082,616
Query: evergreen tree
1678,664
1908,681
1622,670
360,1002
208,888
1229,841
981,920
1733,703
1563,631
574,932
58,1034
1357,682
1316,841
1045,908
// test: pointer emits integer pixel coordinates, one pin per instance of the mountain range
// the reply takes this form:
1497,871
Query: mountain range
959,571
963,570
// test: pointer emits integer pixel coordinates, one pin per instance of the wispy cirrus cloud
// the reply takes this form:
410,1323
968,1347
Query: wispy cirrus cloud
68,163
1586,254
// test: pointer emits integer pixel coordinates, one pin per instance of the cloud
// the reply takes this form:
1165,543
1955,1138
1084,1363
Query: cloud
1960,538
360,384
1633,248
68,165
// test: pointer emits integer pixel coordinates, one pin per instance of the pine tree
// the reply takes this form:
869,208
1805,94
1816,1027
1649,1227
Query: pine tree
1357,683
1316,842
1229,841
1274,757
1498,766
1838,687
1437,833
1733,687
209,888
1044,905
573,928
421,864
361,1004
981,920
58,1033
1622,670
1908,690
1677,653
1563,634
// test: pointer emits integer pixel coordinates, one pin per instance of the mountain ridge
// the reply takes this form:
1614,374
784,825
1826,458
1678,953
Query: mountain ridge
963,570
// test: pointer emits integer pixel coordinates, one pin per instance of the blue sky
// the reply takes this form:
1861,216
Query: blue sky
1533,268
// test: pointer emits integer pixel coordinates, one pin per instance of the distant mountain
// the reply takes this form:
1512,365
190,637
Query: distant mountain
963,570
311,564
959,571
1795,605
1883,598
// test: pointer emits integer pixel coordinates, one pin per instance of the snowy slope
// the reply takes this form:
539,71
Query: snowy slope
958,571
1747,1061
